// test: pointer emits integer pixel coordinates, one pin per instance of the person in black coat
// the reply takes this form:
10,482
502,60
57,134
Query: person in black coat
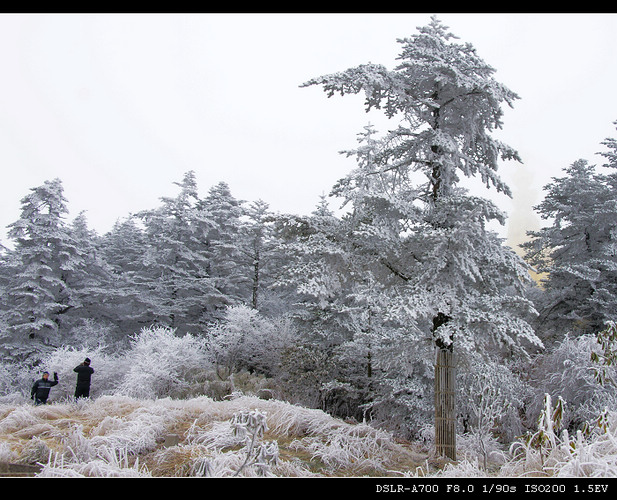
40,389
84,373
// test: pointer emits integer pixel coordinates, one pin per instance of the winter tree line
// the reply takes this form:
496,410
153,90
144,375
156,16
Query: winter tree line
353,312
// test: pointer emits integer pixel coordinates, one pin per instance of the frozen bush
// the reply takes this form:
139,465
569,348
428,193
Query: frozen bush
569,372
590,452
461,468
136,433
160,364
15,382
247,340
360,447
490,400
15,418
88,333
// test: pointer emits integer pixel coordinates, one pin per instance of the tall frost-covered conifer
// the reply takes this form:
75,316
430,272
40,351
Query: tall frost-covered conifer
611,156
176,285
567,252
45,255
89,279
609,218
256,248
124,249
223,242
577,250
320,276
455,279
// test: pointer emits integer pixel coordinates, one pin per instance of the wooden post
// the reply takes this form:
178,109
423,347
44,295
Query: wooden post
445,416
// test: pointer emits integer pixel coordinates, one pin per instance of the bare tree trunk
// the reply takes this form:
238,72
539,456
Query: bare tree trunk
255,281
445,421
445,394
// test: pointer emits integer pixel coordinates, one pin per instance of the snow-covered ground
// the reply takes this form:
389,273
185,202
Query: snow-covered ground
119,436
122,436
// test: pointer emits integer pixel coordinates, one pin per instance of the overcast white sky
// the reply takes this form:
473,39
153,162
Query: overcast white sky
120,106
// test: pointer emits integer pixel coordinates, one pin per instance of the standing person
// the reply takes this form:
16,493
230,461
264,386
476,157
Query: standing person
84,372
40,389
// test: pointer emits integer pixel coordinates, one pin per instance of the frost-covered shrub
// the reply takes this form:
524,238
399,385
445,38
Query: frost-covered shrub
359,447
137,432
553,451
480,448
404,406
403,384
160,364
247,340
491,399
251,384
15,381
305,368
568,371
6,454
593,455
88,333
461,468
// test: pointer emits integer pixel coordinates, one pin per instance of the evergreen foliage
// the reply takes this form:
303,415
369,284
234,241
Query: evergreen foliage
576,250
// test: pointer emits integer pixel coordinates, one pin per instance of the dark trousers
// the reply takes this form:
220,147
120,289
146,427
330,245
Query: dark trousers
82,391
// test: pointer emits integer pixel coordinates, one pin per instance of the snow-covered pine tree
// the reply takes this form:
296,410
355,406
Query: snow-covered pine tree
610,155
318,277
607,299
223,241
256,247
455,276
176,286
90,278
576,251
7,267
316,265
124,248
43,258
